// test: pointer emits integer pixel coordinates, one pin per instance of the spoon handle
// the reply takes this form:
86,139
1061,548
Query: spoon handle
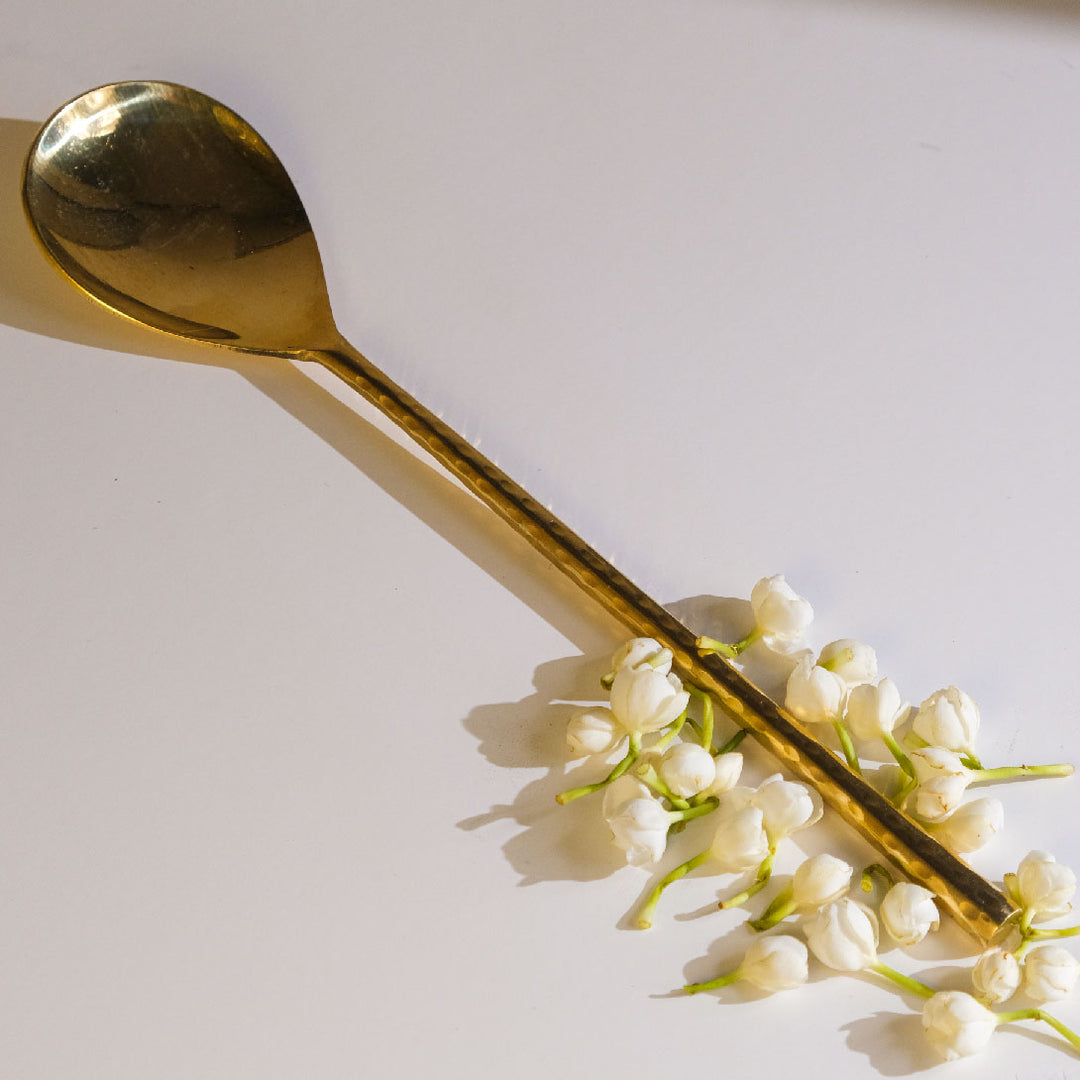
972,901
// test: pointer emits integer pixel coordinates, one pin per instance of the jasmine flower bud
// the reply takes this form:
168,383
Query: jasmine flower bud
874,711
948,718
853,661
644,700
593,731
956,1024
780,614
775,963
620,792
728,770
640,828
815,695
740,841
639,652
820,880
687,769
786,806
909,913
996,976
933,761
973,825
1050,973
843,935
940,797
1044,886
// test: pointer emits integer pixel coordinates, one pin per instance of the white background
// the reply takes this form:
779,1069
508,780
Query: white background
742,288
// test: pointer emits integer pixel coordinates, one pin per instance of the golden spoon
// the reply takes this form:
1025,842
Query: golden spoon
169,209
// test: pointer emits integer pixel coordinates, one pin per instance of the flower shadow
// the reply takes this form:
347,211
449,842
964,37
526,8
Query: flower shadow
892,1042
556,843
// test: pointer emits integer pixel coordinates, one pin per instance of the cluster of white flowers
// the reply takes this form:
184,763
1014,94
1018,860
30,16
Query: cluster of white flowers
841,688
666,771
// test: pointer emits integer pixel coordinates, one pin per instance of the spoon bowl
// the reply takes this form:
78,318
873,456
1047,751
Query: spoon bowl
171,210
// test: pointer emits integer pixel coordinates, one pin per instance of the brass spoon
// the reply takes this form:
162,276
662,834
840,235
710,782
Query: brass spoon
169,209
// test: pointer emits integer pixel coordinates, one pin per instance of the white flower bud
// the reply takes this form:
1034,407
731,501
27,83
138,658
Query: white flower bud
728,770
644,700
618,793
786,806
972,825
592,731
874,711
775,963
780,613
687,769
957,1025
939,798
1050,973
814,695
948,718
640,828
996,976
740,841
1045,887
638,652
820,880
853,661
843,935
909,913
934,761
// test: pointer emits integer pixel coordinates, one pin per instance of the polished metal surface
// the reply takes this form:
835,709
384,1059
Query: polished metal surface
168,208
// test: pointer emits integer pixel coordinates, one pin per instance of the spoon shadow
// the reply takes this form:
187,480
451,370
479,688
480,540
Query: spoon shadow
35,297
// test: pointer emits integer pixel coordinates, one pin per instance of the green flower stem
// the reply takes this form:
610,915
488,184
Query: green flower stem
698,810
901,758
905,982
848,746
706,729
1046,1018
706,645
631,756
664,741
906,788
916,742
764,872
714,984
645,916
1008,772
781,906
1045,935
970,761
732,743
645,772
867,881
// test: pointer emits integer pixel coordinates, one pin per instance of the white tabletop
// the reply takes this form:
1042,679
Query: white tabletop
741,288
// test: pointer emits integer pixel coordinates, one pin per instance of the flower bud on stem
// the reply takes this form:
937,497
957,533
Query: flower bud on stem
631,756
